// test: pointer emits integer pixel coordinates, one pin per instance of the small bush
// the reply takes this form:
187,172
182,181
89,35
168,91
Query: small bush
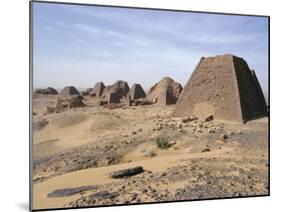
163,143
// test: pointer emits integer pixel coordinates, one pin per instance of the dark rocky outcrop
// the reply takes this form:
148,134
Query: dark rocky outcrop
127,172
70,191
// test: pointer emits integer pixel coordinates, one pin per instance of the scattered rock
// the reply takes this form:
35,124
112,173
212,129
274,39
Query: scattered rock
181,130
206,150
102,195
209,118
163,174
159,128
127,172
224,136
211,130
129,142
173,142
189,119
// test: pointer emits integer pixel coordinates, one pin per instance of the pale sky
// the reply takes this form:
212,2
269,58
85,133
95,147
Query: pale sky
80,45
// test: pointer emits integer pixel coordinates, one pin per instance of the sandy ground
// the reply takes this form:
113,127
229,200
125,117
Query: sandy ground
82,146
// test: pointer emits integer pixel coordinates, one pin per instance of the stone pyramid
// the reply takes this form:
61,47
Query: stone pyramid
164,92
225,87
136,92
69,91
97,90
116,92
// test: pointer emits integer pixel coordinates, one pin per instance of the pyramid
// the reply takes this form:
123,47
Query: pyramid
136,92
98,89
120,89
225,87
69,91
52,90
116,92
48,90
165,92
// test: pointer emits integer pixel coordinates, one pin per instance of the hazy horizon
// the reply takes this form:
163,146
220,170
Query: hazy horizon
80,45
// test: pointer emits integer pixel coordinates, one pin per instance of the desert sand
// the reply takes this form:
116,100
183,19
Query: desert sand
82,146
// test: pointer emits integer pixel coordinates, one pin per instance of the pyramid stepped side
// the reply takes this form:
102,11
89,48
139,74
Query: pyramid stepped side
252,100
211,89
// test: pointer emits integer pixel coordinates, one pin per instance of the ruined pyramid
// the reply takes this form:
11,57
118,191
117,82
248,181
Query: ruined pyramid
225,87
69,91
164,92
136,92
98,89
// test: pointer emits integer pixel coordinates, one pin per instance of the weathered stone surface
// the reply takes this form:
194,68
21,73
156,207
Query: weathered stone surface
223,86
136,92
70,191
127,172
165,92
75,101
113,98
98,89
116,93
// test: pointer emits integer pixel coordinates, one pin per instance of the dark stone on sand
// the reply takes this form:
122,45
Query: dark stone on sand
209,118
127,172
102,195
189,119
206,150
224,136
70,191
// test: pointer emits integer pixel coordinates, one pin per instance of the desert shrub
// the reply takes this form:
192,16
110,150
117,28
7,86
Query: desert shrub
163,143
